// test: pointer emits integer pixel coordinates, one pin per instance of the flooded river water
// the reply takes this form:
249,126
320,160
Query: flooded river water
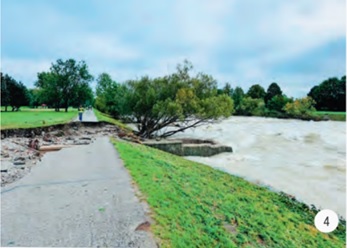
303,158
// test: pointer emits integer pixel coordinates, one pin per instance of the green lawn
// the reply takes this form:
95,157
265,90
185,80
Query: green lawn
28,118
194,205
104,117
335,116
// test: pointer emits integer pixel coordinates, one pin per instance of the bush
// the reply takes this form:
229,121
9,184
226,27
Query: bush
277,103
300,108
249,106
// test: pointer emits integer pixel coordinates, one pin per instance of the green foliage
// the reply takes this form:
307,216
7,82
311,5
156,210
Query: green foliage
35,97
13,93
277,102
157,103
104,90
256,91
83,95
111,97
250,106
330,94
272,91
237,96
300,107
227,90
49,91
5,93
194,205
67,83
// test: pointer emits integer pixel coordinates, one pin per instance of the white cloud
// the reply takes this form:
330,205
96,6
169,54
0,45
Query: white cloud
296,27
286,30
100,47
24,70
156,37
200,23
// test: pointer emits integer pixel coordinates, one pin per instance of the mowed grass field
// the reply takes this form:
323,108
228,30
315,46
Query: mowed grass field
28,118
335,116
194,205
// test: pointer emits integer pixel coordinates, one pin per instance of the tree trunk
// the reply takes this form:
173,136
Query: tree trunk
182,129
57,107
66,104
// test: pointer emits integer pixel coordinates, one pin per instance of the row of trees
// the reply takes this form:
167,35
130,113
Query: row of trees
67,83
158,104
163,102
13,93
258,102
330,95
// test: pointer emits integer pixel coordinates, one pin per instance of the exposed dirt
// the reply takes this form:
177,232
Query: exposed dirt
21,149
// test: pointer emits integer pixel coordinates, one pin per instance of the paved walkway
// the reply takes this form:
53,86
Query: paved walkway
88,116
77,197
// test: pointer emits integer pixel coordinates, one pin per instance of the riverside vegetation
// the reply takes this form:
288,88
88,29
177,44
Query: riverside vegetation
194,205
155,103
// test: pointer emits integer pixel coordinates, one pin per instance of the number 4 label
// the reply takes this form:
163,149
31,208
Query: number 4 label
326,221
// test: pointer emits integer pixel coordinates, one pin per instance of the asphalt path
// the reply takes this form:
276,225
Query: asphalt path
77,197
88,116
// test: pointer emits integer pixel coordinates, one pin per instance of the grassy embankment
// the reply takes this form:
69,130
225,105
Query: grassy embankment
29,118
107,118
334,116
194,205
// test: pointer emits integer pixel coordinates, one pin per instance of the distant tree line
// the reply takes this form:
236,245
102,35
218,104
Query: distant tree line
67,83
13,93
330,95
159,104
162,102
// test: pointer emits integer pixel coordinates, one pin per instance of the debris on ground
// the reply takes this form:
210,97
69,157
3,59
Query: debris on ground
20,154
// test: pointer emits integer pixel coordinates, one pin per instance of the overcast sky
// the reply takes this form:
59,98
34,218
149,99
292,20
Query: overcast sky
297,43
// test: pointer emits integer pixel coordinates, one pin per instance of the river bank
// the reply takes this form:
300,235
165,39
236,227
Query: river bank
195,205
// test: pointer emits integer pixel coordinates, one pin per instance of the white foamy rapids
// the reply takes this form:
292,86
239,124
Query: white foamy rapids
302,158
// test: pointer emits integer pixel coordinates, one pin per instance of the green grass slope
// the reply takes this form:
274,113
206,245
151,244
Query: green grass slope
194,205
106,118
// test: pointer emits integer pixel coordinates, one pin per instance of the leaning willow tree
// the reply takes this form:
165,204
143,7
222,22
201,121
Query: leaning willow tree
167,105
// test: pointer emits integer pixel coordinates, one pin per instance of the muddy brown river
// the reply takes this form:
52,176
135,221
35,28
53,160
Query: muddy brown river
303,158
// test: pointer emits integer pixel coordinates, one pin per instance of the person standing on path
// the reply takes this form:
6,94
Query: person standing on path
80,112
